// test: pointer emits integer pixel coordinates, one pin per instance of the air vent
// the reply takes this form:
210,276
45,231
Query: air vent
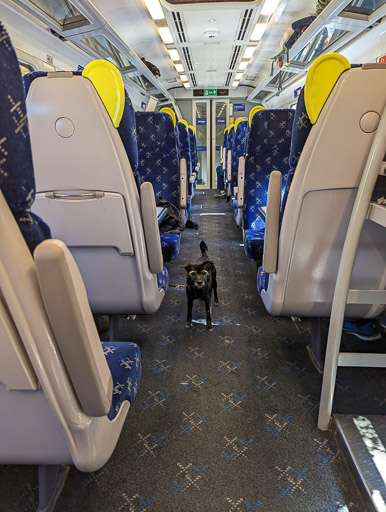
251,78
179,26
245,24
171,80
228,80
235,56
188,58
194,81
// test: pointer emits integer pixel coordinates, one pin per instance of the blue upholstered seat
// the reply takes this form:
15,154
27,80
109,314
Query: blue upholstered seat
128,131
124,360
268,150
185,151
193,151
238,150
17,183
163,279
230,146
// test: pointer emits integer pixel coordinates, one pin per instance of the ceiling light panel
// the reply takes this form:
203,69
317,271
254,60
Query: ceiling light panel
269,7
243,64
249,52
166,35
174,55
184,78
238,76
186,84
235,84
155,9
179,68
258,31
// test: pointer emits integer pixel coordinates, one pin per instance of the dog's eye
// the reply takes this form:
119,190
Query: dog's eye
192,273
205,272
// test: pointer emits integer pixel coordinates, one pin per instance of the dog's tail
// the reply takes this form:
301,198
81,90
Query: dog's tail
204,249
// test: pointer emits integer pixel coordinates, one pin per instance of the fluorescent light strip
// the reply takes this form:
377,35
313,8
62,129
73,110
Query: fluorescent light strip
174,55
155,9
184,78
249,52
235,83
238,76
243,64
258,31
166,35
269,7
179,68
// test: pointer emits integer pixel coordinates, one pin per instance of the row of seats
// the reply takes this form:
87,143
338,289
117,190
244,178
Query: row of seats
99,166
64,395
314,158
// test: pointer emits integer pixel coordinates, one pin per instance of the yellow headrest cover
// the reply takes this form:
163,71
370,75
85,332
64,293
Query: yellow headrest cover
192,128
253,112
167,110
184,122
108,82
321,78
226,129
238,121
231,127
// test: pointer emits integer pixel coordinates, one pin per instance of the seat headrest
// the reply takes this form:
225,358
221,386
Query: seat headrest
270,128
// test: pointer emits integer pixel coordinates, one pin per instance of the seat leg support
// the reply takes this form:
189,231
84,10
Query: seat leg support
51,482
317,349
113,327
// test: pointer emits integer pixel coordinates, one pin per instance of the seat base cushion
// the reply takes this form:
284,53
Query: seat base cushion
124,360
262,280
163,280
254,243
170,245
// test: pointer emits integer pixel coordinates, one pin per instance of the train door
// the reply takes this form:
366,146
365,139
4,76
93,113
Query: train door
210,117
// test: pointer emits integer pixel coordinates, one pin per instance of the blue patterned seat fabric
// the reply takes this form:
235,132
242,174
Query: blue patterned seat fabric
230,146
163,280
17,182
159,163
268,150
239,145
170,245
128,132
300,130
124,360
193,150
159,155
184,140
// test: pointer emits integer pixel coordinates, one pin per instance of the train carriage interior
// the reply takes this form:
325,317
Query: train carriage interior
192,255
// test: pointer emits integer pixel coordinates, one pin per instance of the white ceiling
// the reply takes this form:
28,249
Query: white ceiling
210,57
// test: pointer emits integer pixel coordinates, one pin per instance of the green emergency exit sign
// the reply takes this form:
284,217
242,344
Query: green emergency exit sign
210,92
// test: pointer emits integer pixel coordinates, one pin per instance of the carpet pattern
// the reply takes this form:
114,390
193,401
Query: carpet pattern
224,421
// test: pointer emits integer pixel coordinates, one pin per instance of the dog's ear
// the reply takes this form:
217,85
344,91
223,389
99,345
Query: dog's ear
188,267
208,265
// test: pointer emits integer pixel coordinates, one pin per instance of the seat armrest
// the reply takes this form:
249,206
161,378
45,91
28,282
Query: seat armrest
241,182
151,228
183,184
235,192
192,178
65,299
229,165
271,238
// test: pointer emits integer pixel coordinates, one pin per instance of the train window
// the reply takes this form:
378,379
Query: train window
363,6
62,11
105,49
323,39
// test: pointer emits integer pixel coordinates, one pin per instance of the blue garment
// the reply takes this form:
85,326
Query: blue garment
220,177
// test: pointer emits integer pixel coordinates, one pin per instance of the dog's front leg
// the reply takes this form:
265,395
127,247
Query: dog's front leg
208,317
214,287
189,317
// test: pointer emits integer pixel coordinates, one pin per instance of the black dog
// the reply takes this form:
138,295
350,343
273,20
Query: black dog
201,280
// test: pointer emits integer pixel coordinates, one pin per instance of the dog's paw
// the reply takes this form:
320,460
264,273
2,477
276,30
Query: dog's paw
209,327
216,303
188,324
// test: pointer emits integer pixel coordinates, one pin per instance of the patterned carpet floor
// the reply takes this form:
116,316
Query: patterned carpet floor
224,421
